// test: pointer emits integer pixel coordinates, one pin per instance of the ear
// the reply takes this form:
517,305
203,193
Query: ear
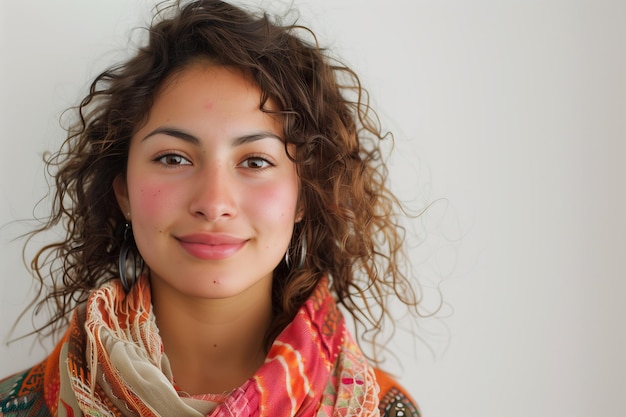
121,194
300,212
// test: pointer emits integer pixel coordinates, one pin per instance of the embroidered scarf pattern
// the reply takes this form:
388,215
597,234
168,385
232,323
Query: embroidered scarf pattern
113,364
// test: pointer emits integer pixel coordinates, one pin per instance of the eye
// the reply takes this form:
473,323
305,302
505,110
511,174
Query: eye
172,159
256,162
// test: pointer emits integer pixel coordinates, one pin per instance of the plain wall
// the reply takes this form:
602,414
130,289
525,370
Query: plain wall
509,117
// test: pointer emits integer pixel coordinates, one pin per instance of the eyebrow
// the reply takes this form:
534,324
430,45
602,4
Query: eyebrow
188,137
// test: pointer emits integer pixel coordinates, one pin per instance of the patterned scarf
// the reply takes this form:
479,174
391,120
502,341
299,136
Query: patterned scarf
113,364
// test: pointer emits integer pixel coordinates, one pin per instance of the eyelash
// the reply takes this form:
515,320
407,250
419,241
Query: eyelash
258,158
161,158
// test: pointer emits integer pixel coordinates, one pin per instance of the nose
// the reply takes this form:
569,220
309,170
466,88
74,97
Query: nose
213,197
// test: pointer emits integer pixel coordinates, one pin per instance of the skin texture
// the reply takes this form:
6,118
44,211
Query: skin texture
213,198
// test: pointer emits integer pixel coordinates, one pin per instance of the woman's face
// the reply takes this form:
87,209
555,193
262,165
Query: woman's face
211,192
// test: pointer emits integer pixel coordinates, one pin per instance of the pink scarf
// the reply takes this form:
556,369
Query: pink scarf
114,365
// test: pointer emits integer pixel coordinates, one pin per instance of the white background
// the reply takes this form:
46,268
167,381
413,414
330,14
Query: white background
509,115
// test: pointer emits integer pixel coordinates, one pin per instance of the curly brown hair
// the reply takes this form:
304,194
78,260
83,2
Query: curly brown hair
350,227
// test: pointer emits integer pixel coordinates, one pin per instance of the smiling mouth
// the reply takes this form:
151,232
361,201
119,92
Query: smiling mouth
211,247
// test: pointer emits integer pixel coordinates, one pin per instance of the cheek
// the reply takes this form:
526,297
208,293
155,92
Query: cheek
151,209
147,198
151,203
275,204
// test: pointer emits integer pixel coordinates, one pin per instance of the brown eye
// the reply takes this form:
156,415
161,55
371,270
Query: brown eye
173,159
256,163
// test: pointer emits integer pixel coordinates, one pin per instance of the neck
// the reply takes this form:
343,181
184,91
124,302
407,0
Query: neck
213,345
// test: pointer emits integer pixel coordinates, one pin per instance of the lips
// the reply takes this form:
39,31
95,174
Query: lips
211,246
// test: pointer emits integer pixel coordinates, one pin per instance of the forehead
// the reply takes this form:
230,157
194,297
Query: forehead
208,99
218,83
205,76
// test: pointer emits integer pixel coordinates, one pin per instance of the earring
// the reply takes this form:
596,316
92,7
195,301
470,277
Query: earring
128,260
303,248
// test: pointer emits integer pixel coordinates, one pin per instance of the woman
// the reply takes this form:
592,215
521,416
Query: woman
222,193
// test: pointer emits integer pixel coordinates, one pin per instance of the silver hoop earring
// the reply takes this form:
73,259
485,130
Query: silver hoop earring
301,248
128,260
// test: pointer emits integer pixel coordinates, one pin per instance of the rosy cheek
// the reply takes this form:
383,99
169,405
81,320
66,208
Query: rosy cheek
274,202
151,199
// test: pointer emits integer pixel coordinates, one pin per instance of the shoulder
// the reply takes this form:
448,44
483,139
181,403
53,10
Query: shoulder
394,399
22,394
